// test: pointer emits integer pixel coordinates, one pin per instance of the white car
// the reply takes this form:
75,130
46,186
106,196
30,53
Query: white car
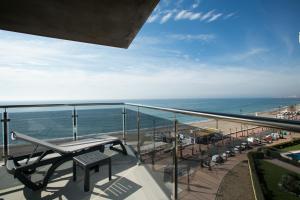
217,159
275,136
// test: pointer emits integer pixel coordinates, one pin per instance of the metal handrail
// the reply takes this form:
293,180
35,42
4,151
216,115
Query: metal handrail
284,124
60,105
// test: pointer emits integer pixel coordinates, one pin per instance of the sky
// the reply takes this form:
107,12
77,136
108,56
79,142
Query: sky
186,49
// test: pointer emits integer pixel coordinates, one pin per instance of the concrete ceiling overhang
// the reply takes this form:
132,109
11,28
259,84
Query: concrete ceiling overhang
105,22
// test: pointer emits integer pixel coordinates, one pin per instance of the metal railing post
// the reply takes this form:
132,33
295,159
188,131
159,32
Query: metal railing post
138,134
124,125
242,130
74,116
154,133
5,121
154,138
247,131
175,174
231,138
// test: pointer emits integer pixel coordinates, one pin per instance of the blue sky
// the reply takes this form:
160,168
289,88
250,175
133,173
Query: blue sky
186,49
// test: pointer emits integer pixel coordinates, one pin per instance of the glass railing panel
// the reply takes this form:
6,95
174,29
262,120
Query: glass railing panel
150,135
194,149
99,120
49,124
52,124
157,145
155,131
131,126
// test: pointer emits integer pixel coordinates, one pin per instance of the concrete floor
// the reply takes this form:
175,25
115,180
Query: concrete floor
130,181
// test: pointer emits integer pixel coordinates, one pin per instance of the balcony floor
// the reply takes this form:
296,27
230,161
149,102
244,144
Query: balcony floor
130,181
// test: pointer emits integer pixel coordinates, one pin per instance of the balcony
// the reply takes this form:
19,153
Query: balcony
168,156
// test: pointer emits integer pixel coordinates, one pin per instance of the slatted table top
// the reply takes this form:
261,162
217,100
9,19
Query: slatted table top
90,158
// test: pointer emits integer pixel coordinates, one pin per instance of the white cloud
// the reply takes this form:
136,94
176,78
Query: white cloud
184,14
215,17
207,15
28,52
153,18
162,16
248,54
201,81
180,15
196,4
189,15
166,17
195,16
229,15
198,37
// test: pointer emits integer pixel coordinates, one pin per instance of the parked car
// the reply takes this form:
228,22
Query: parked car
224,156
268,138
253,141
230,153
275,136
237,149
217,159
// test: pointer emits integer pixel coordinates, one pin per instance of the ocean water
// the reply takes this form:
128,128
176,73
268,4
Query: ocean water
234,105
47,123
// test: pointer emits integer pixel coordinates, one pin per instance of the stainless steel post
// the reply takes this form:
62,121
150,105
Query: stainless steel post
175,173
74,116
154,137
138,135
5,121
124,125
154,134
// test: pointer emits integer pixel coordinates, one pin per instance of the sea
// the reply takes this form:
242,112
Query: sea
57,122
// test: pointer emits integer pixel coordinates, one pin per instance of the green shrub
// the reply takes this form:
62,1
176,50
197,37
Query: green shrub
270,177
272,153
287,144
290,183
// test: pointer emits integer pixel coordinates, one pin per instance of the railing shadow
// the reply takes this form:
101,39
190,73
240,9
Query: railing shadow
118,189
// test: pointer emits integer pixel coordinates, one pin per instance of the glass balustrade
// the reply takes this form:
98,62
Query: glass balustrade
186,153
